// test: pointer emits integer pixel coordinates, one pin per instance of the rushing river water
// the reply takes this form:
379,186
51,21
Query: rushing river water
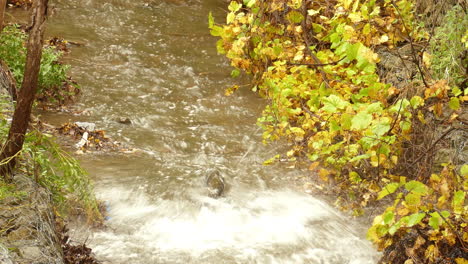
153,61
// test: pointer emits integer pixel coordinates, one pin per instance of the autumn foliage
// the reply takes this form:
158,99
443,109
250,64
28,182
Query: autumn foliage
316,63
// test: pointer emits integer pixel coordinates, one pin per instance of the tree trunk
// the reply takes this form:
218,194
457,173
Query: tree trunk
27,93
2,13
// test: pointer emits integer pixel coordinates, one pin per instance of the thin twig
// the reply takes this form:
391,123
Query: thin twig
308,44
413,50
316,64
433,145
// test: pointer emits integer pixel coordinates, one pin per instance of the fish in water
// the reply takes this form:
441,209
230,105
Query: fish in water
215,183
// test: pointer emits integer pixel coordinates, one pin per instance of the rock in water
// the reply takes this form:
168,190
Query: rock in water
215,183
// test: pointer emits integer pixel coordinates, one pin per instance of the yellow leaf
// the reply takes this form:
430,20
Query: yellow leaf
403,211
427,59
383,39
314,165
299,56
346,3
431,253
355,6
231,90
298,29
323,174
355,17
461,261
312,12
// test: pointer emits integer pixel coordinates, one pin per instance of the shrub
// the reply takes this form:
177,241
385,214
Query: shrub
53,79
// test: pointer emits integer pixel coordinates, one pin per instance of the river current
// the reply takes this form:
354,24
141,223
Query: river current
154,62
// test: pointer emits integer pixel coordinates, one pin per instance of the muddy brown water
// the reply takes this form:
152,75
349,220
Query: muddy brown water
155,63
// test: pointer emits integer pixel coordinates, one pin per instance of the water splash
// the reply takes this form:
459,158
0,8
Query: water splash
247,226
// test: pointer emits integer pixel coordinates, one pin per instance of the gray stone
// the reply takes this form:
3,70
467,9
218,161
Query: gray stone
86,125
5,257
32,253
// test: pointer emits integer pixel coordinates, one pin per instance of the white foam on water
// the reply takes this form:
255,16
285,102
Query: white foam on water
244,227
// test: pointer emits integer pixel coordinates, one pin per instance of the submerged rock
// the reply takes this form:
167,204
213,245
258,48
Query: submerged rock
124,120
215,183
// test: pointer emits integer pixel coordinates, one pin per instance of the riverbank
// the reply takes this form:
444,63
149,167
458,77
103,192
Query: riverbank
48,185
28,225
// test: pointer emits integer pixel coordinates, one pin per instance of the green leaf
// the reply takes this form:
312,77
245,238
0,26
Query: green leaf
445,214
394,228
459,198
454,103
249,3
417,187
216,31
416,101
388,189
464,170
415,219
456,91
361,121
360,157
352,51
230,17
405,125
374,108
380,129
333,102
413,199
435,220
234,6
354,177
388,217
458,201
298,131
235,73
210,20
294,17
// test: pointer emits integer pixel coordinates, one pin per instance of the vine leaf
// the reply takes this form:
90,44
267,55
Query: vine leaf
361,121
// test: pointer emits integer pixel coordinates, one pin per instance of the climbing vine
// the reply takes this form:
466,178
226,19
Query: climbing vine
317,64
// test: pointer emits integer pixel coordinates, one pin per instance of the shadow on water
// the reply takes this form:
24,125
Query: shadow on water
153,61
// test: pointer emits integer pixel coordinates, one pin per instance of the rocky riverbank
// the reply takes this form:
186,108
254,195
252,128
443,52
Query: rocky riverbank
28,230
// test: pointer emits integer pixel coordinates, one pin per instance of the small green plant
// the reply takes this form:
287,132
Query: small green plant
53,74
59,172
10,190
449,55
